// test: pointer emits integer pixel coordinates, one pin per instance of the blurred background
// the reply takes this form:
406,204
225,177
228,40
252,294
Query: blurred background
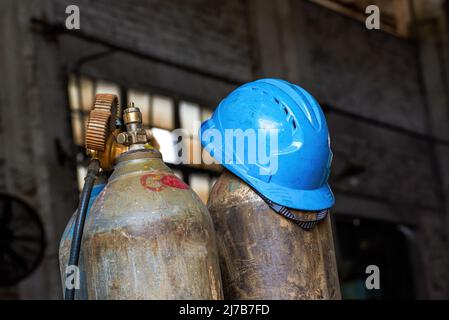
384,92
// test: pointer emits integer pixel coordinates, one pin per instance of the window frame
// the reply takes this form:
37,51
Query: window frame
187,170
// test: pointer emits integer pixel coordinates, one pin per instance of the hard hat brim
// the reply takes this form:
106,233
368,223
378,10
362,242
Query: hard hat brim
306,200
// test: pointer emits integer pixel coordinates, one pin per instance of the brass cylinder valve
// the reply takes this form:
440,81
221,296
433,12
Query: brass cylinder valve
104,141
134,136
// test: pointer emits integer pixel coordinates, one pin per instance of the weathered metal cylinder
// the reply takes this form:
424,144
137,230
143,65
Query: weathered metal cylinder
66,242
149,236
265,256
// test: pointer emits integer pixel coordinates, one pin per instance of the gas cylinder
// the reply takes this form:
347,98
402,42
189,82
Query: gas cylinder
262,254
66,241
148,235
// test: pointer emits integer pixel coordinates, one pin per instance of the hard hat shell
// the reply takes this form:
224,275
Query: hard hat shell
303,146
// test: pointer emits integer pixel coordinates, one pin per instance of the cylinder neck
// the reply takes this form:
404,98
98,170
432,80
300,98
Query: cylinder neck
139,154
135,161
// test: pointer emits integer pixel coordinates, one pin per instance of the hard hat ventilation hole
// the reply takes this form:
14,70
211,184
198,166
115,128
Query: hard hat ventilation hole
290,116
313,103
276,100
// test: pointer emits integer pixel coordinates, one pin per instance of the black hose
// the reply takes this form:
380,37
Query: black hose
92,171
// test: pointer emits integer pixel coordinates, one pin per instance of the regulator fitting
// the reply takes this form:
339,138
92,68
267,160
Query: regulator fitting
135,136
105,137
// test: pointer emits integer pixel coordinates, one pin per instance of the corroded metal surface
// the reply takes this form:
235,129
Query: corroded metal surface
64,252
149,236
66,242
265,256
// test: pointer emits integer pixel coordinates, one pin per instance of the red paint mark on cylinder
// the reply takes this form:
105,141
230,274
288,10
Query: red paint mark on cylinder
152,182
174,182
157,182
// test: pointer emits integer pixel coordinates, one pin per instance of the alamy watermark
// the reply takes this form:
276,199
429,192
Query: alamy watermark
73,19
231,146
72,280
373,20
244,147
373,280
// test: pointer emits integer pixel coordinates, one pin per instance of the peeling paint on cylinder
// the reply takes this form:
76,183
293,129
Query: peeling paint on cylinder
149,238
265,256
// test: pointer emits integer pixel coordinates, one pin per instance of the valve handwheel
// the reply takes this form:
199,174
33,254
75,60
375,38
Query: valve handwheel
101,121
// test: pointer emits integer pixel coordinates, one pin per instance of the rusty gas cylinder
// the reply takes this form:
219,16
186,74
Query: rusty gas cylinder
66,242
263,255
149,236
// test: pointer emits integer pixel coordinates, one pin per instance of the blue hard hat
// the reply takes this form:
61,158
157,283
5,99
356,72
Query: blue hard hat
302,151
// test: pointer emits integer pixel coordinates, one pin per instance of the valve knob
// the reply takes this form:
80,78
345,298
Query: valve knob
101,121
